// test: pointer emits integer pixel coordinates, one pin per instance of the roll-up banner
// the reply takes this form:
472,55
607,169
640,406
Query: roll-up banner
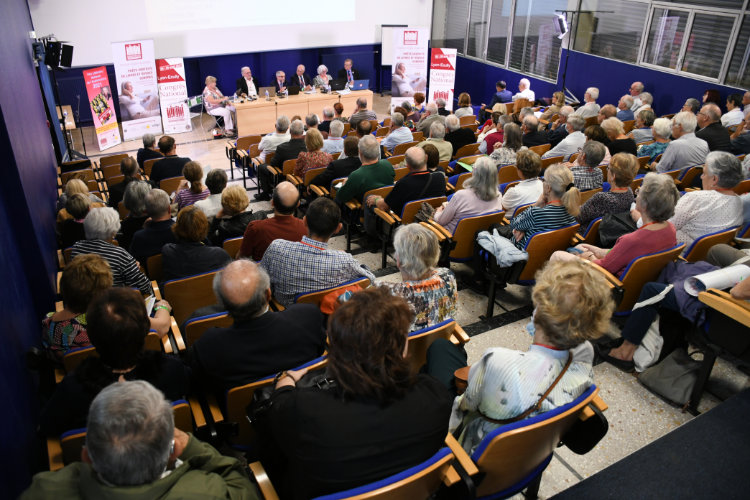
175,114
137,87
443,76
409,64
102,107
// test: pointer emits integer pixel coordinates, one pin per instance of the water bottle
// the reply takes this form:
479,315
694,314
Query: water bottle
267,98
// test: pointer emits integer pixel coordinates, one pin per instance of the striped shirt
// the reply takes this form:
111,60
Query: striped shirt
186,197
537,219
125,271
307,266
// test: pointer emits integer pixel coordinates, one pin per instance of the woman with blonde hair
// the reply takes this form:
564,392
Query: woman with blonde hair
193,174
618,141
314,156
232,220
557,207
464,105
558,101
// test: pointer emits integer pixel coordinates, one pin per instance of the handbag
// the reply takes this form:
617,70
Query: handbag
585,434
425,213
613,226
674,377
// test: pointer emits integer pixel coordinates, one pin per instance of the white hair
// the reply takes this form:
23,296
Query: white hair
686,120
242,69
593,92
525,82
663,127
101,223
322,68
337,128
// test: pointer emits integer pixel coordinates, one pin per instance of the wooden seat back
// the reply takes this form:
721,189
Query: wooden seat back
701,245
401,148
122,210
542,245
591,120
410,209
417,136
640,271
185,295
74,357
461,179
317,296
508,173
743,187
195,327
520,104
106,161
591,233
85,174
552,160
148,166
420,340
154,267
466,231
232,245
382,132
467,120
399,173
170,184
248,140
541,149
467,150
111,171
586,195
396,159
311,174
288,166
628,125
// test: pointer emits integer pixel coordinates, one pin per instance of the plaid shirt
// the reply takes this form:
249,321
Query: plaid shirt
307,266
586,178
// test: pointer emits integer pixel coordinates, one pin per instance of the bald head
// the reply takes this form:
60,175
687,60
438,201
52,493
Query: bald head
285,198
416,159
243,288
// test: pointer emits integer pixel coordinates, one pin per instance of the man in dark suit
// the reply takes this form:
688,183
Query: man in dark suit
300,79
171,165
348,73
457,136
441,107
532,136
286,151
280,82
248,84
158,230
712,131
341,168
502,95
260,342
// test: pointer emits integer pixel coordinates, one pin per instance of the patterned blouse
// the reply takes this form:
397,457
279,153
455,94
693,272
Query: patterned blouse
62,336
653,150
434,299
600,204
505,156
308,161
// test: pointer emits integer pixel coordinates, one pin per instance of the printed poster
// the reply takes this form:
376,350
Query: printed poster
442,76
137,88
409,64
102,107
175,114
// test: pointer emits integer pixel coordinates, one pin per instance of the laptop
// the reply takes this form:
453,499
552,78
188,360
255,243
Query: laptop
338,84
262,92
293,90
361,85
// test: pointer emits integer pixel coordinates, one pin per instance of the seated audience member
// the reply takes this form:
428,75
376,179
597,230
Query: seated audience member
618,141
716,206
558,101
529,166
711,129
338,110
187,196
746,101
133,449
343,166
655,202
524,91
488,126
433,158
313,157
190,255
479,196
217,104
270,142
606,111
260,342
101,226
587,174
417,184
135,202
492,135
325,125
323,79
216,182
348,73
734,114
75,186
280,83
642,129
511,145
557,207
573,305
288,150
378,419
157,230
464,105
301,79
232,220
596,133
693,105
128,168
171,165
309,265
532,136
557,129
283,225
740,140
334,143
502,95
437,139
573,142
148,151
373,173
399,134
117,325
624,109
428,117
662,129
441,107
646,100
362,113
620,173
636,89
71,230
419,99
364,128
82,279
712,96
590,107
412,114
312,122
686,150
247,85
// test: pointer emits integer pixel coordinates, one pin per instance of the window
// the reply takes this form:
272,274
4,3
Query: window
499,22
477,29
739,75
614,35
449,24
707,44
535,48
665,37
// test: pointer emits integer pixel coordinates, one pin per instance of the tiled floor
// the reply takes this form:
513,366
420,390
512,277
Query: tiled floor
636,417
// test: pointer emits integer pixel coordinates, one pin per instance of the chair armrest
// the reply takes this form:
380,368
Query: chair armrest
724,303
294,179
440,236
353,205
264,483
440,228
587,412
214,409
613,280
230,145
157,292
459,336
449,186
274,170
176,336
60,263
54,454
462,457
319,191
578,238
388,217
199,419
59,375
276,305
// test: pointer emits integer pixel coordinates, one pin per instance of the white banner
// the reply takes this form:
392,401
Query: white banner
175,114
443,76
409,64
136,85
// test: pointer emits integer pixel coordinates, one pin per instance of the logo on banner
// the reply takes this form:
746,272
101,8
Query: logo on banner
133,52
441,94
176,111
411,37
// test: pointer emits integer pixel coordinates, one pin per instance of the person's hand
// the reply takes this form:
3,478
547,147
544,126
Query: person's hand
635,215
518,235
163,303
291,378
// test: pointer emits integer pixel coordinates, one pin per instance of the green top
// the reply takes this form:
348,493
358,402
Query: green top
204,474
365,178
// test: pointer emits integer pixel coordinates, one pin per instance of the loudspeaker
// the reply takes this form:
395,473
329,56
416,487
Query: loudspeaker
66,56
561,25
52,54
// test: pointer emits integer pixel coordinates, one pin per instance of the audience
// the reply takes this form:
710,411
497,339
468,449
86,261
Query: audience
620,173
557,129
458,136
511,145
711,129
328,113
493,135
338,110
190,255
524,91
597,133
288,150
558,101
502,95
590,107
334,143
216,181
625,111
171,165
233,218
572,142
428,117
740,141
71,229
148,151
646,101
129,169
441,107
586,173
686,150
693,105
606,111
373,173
313,157
345,165
662,129
529,166
187,196
75,186
618,141
636,89
532,136
399,134
712,96
157,231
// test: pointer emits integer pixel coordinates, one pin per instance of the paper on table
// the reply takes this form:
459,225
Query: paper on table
720,279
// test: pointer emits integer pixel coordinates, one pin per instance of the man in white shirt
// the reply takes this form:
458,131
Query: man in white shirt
746,101
271,141
524,91
686,150
635,91
398,134
590,107
572,142
734,114
334,143
247,85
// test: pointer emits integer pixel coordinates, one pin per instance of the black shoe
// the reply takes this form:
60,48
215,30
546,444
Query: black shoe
262,197
626,366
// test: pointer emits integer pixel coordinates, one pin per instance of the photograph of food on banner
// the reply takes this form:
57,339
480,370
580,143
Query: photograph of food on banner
102,107
141,101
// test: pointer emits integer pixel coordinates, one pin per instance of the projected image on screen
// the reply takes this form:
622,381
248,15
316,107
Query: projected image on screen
182,15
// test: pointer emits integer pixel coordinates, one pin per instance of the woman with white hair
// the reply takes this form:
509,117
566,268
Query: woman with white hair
431,291
323,79
662,129
218,105
480,196
101,226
